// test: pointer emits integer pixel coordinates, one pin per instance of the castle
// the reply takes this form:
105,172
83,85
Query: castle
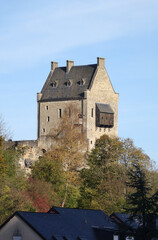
88,90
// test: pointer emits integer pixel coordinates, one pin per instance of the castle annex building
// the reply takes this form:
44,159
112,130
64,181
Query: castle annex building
87,89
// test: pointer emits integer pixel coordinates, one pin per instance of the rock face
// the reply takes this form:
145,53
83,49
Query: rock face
30,150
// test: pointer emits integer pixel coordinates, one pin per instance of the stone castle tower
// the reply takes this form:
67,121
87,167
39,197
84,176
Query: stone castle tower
86,88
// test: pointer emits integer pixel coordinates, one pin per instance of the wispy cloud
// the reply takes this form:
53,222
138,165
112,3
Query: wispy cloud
29,35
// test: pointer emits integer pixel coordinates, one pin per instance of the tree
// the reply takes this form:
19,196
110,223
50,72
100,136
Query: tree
141,204
12,181
72,146
49,169
3,166
104,182
41,194
61,164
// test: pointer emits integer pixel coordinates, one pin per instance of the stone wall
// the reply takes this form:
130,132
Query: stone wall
30,151
101,91
50,118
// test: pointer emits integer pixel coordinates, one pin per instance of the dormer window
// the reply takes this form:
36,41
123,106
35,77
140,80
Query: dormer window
82,82
68,83
54,84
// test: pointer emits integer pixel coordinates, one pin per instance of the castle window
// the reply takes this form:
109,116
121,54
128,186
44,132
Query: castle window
43,130
82,82
48,119
46,107
69,112
59,113
54,84
68,83
91,142
91,112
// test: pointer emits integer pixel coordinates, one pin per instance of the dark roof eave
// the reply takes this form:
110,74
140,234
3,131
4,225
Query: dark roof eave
60,99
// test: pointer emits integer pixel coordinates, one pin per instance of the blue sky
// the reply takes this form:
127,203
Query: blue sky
125,32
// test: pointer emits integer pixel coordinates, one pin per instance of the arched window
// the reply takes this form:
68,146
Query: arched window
82,82
68,83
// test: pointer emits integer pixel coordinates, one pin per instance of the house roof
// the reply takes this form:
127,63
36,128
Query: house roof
126,219
67,223
57,88
104,108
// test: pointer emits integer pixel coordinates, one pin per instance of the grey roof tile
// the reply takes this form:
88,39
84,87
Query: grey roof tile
75,75
67,223
104,108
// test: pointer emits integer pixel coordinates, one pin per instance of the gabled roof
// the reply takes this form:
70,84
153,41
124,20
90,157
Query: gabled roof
67,223
126,219
60,77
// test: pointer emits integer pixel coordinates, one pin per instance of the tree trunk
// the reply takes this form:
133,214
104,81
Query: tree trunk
65,196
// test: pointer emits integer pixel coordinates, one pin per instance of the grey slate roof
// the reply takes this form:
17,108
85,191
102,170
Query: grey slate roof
75,75
104,108
67,223
125,218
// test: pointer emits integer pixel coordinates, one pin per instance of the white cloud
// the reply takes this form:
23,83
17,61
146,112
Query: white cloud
56,26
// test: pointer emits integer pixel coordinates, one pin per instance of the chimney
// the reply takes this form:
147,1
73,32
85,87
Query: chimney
54,65
101,62
69,65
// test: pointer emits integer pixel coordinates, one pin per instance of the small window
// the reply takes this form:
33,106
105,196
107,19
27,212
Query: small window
68,83
17,238
91,142
43,130
115,237
48,119
59,113
69,112
91,112
46,107
82,82
54,84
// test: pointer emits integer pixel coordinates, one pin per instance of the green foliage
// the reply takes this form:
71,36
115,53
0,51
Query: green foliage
12,183
140,202
55,179
49,168
103,184
72,197
5,202
104,181
3,165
